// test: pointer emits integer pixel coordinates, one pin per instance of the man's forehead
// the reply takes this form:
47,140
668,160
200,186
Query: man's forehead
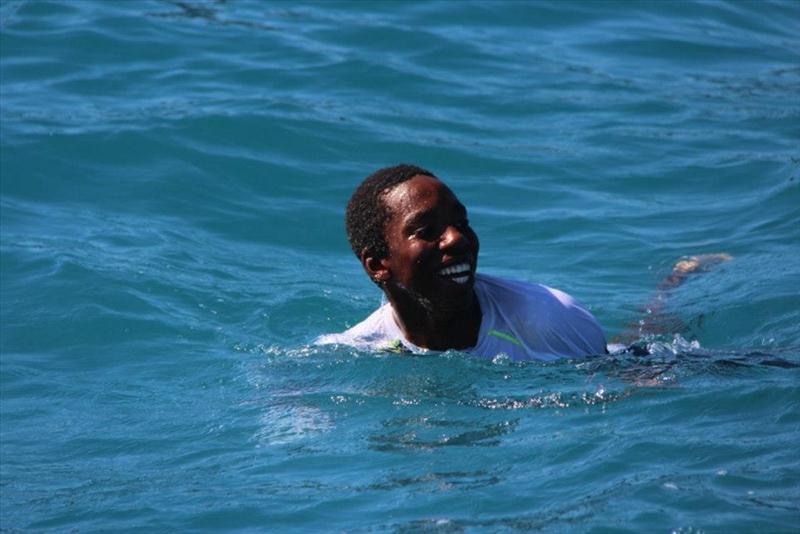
416,193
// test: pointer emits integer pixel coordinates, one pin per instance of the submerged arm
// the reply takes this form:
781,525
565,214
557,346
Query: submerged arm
656,320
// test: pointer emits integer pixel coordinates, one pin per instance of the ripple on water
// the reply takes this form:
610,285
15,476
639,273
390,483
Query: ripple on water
173,181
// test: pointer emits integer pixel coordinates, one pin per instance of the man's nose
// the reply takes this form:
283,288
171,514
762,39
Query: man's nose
454,237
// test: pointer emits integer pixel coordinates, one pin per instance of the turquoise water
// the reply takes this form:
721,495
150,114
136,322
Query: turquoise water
173,180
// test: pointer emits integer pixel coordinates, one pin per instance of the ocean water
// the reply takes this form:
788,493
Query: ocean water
173,179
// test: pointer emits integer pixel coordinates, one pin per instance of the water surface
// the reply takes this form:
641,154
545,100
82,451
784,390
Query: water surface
174,176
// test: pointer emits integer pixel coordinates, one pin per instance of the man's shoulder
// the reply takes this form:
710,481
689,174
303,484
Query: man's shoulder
522,293
536,304
371,333
546,321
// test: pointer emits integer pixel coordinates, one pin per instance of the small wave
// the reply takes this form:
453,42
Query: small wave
555,400
419,436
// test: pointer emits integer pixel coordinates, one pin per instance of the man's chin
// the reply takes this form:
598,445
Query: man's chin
451,295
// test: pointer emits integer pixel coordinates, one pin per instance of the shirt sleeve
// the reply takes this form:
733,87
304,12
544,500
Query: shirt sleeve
570,329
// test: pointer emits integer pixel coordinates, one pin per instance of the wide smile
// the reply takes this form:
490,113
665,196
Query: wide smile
459,273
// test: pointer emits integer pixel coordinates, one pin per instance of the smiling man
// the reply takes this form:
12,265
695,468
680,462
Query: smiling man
413,239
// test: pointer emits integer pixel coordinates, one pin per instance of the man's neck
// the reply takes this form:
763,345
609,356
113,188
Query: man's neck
436,328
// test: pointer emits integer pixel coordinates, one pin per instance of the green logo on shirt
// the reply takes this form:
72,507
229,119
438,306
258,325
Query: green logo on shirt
507,337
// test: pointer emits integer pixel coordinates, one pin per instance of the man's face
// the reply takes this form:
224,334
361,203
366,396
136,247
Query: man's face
433,252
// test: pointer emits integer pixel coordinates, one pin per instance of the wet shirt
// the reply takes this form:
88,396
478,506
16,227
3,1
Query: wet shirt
520,320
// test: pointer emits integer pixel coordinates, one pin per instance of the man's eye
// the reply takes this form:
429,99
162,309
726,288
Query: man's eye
425,232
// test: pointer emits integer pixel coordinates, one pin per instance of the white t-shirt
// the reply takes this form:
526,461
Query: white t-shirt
521,320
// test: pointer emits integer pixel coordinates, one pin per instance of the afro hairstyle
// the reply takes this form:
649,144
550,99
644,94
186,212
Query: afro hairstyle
367,213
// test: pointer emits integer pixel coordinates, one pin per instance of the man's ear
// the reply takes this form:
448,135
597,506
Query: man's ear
377,267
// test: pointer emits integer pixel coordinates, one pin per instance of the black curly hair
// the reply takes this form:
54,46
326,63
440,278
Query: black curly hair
367,215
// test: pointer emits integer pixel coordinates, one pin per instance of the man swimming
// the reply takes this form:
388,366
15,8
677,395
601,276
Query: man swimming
413,239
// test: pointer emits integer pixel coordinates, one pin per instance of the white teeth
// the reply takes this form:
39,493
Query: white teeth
461,279
456,269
